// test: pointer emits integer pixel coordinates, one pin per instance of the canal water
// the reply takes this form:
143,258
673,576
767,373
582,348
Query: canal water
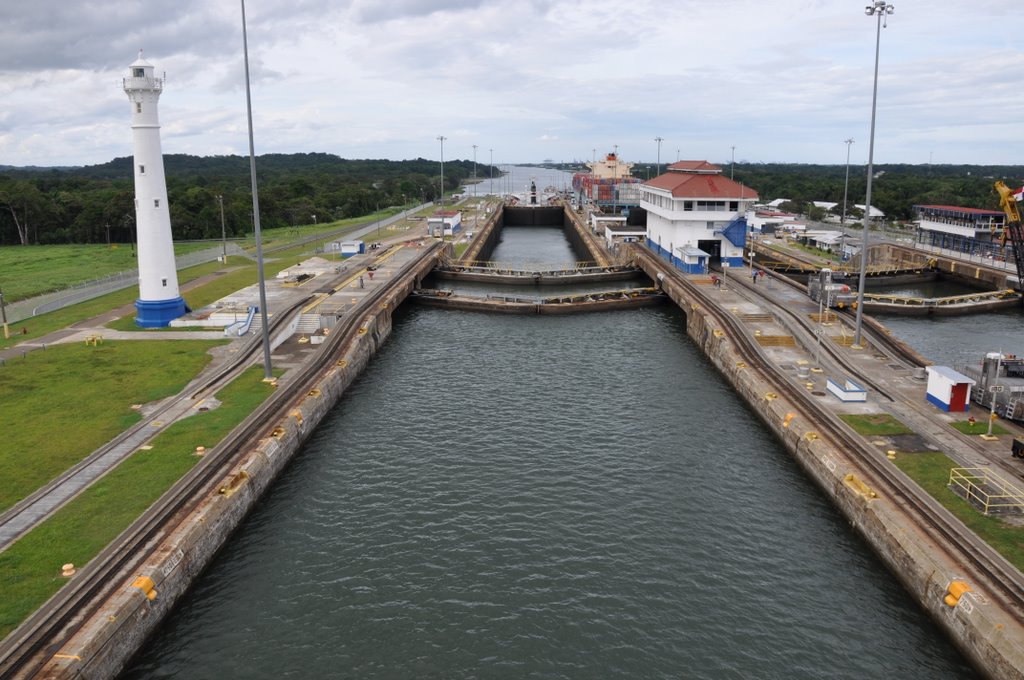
547,497
954,340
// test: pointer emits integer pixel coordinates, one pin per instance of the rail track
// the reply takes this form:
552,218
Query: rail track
30,646
1001,580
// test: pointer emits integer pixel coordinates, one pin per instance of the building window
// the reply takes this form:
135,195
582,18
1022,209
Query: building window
688,205
138,107
142,169
734,206
156,202
711,224
163,282
139,73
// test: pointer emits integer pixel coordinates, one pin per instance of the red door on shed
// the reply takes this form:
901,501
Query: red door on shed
958,397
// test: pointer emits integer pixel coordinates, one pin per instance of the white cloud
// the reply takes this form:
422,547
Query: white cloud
781,81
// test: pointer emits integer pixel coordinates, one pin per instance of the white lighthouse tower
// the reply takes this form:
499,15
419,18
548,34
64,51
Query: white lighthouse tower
159,300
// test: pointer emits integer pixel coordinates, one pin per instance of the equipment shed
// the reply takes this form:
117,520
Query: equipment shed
949,389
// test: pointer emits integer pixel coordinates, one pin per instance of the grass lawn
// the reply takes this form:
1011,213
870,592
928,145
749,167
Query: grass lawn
880,424
30,568
931,471
980,427
84,393
38,326
34,270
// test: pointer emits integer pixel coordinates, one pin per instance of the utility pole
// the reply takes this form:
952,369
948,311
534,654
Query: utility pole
3,315
659,140
268,375
223,230
846,190
615,180
474,171
732,163
441,139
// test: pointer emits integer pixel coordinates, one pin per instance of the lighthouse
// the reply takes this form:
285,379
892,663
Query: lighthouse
159,299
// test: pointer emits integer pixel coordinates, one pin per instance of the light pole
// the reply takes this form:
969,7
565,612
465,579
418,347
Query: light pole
223,231
615,181
846,191
732,162
490,171
441,139
3,315
268,375
474,171
879,9
659,140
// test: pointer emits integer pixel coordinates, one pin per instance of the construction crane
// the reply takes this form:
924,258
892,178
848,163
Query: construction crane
1013,227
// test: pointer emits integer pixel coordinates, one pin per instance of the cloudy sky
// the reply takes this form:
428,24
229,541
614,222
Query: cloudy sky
779,80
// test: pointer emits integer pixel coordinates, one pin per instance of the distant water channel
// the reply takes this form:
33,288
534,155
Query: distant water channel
546,497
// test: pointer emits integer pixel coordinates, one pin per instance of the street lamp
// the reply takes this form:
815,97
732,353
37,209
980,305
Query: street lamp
846,190
441,139
732,162
659,140
474,171
879,9
490,172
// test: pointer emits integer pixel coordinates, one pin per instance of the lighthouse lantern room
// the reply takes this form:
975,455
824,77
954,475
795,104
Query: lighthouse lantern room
159,299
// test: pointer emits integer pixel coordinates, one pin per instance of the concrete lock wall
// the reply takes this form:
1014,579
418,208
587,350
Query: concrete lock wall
981,633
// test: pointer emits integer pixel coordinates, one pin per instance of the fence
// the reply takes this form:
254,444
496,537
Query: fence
41,304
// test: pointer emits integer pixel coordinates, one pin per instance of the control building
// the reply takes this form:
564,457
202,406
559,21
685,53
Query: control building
696,216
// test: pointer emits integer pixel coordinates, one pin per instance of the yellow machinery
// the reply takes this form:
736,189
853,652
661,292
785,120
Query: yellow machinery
1014,228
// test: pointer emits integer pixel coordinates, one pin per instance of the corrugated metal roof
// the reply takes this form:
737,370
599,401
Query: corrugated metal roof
949,374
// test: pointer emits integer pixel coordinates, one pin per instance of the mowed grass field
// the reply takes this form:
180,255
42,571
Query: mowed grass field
61,404
26,271
30,568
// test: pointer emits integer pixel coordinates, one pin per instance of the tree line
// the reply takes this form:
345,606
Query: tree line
96,204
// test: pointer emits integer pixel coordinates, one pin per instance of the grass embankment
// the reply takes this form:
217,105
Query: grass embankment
62,404
30,568
33,270
930,470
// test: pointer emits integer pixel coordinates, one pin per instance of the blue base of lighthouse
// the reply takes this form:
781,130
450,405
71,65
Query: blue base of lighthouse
159,313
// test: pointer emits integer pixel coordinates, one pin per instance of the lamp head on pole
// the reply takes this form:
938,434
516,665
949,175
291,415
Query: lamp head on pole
880,7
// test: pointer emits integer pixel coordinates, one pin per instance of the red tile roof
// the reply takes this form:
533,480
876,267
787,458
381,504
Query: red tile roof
694,185
698,166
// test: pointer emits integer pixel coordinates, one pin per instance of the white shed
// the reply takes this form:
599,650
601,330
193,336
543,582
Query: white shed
948,389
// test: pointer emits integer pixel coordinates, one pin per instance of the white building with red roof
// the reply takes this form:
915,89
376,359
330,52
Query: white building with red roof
693,206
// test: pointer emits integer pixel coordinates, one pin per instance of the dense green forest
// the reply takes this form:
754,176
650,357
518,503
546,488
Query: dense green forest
895,190
95,204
